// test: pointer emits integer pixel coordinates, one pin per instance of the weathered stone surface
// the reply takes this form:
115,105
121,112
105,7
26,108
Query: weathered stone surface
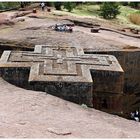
63,71
129,60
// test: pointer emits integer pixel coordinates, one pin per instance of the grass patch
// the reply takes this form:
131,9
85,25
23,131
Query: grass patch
8,5
135,18
87,10
124,19
126,11
93,10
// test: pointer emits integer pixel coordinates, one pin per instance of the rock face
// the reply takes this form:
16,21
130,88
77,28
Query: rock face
129,60
66,72
124,46
31,114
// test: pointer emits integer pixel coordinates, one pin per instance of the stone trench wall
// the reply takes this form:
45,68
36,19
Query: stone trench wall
91,94
107,91
16,76
15,48
130,62
107,95
107,81
111,103
80,93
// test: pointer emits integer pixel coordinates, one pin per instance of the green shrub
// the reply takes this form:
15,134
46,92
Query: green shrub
69,6
58,5
138,12
124,3
109,10
134,4
8,5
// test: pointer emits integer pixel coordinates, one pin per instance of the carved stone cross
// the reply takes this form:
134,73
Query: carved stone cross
62,71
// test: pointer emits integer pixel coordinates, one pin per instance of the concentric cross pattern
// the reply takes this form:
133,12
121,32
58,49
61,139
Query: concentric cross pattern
50,65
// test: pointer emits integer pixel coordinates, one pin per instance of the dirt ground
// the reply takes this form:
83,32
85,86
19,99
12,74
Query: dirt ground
37,31
30,114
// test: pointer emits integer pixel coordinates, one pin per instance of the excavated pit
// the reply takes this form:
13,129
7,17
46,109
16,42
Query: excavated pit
15,45
66,72
104,90
16,48
129,60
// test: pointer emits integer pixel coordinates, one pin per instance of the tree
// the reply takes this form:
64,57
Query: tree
58,5
124,3
69,6
24,4
8,5
109,10
134,4
49,4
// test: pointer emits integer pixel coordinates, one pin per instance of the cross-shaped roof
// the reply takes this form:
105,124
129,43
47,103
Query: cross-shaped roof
65,64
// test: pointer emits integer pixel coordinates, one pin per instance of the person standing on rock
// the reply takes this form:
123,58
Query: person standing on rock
42,6
135,116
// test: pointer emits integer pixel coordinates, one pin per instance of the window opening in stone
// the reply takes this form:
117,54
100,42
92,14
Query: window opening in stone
104,104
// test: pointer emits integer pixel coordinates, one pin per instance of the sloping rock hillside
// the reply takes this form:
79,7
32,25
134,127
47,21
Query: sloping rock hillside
30,114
